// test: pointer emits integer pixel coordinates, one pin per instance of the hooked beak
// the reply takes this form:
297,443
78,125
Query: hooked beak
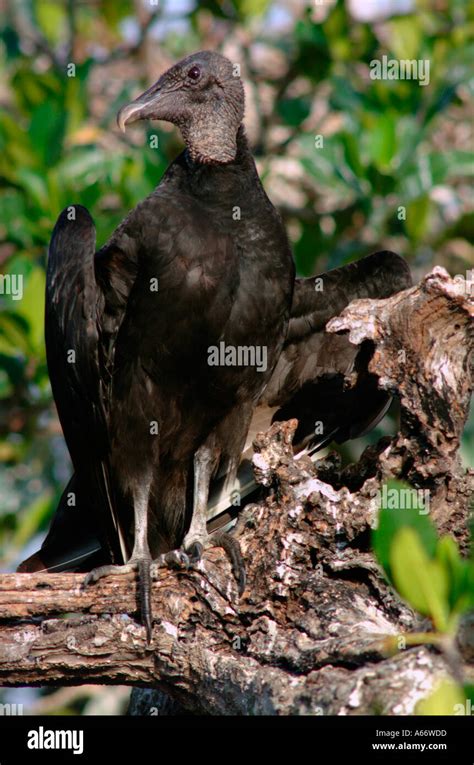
145,106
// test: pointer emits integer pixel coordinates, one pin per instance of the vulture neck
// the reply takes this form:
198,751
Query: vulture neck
212,138
233,149
215,178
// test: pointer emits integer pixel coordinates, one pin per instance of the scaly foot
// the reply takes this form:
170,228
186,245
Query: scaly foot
140,565
194,546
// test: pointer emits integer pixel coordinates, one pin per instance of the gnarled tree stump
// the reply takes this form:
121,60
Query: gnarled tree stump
308,634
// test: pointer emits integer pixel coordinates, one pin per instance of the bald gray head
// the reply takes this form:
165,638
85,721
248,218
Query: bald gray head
204,97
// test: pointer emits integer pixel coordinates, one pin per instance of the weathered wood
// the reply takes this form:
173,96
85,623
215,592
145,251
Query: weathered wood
424,353
310,633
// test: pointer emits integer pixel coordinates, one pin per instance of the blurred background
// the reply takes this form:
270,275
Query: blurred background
353,163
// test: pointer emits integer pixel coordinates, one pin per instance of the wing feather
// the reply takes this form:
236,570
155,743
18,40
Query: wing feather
77,366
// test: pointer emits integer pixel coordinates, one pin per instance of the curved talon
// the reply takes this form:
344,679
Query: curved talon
143,566
192,554
195,551
98,573
175,559
231,547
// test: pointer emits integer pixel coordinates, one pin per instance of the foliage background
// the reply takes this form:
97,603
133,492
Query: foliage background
306,64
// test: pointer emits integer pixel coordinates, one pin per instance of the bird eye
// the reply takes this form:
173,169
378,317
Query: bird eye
194,73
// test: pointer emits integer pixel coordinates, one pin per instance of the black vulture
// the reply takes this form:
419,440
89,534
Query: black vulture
166,342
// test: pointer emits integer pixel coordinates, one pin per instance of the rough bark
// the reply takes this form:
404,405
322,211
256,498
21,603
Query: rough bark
310,633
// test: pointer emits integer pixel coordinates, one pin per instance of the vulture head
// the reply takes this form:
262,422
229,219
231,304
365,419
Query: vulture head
203,95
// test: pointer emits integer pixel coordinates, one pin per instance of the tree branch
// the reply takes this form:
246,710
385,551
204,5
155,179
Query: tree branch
312,631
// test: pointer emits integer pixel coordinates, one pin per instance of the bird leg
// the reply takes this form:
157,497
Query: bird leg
197,539
140,559
197,533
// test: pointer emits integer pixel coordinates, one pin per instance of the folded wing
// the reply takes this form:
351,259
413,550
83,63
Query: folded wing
321,379
84,523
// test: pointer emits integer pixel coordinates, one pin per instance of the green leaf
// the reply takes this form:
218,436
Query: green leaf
351,154
447,699
326,163
418,212
460,573
47,128
115,10
85,165
405,36
294,110
397,512
430,170
11,41
31,308
252,7
314,56
35,182
422,582
13,335
447,553
469,691
51,17
32,89
381,143
13,366
32,518
6,388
